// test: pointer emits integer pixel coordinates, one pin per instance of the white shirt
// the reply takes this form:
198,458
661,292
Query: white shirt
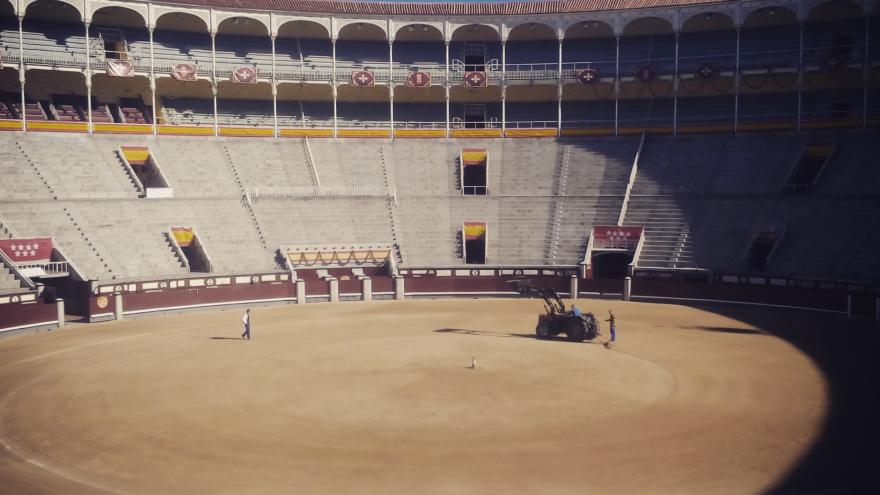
246,318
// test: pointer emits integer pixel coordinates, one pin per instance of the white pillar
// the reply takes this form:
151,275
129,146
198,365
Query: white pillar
333,82
800,78
367,289
849,306
736,77
334,290
559,93
866,71
300,291
446,86
627,288
274,91
153,84
214,82
88,78
573,287
617,86
675,89
399,292
117,306
391,84
21,70
59,308
503,88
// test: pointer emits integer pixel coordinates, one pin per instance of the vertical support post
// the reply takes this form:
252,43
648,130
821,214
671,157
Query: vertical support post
446,86
300,291
274,91
333,82
675,81
573,287
21,70
334,290
617,86
849,306
503,88
117,306
59,312
559,92
866,70
800,78
153,84
391,83
399,289
214,81
627,288
88,75
367,289
736,78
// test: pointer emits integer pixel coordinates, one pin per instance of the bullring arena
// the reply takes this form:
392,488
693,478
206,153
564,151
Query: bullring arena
382,184
380,397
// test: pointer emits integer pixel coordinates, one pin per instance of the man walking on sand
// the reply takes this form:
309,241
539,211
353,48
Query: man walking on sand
610,321
246,320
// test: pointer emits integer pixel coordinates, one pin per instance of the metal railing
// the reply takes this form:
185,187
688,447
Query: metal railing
419,125
313,192
49,267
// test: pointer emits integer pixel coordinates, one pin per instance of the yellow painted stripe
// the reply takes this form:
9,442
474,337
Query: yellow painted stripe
246,131
306,132
136,155
10,125
831,124
420,133
473,156
706,129
364,133
185,130
476,132
767,126
123,129
531,133
58,126
588,132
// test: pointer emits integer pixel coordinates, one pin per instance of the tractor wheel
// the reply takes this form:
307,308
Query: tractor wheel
592,327
542,331
575,329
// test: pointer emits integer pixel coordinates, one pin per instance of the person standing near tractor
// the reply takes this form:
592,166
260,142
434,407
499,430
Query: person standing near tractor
610,321
246,321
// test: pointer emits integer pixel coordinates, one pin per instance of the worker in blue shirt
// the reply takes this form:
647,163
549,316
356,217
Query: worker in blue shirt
610,321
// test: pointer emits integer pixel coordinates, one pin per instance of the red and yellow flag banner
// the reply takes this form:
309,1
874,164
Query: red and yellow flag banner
136,155
473,230
183,235
472,156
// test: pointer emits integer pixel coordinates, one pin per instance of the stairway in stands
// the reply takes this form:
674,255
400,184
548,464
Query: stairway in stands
667,222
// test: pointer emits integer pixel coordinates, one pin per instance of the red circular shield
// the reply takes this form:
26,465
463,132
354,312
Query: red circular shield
475,79
362,78
646,74
588,76
706,71
418,79
244,75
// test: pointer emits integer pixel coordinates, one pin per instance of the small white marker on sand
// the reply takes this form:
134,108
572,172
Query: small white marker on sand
473,362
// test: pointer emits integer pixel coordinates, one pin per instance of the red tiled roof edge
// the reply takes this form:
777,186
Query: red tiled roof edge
438,8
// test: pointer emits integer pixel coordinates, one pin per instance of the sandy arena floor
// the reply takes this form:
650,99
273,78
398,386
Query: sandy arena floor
379,398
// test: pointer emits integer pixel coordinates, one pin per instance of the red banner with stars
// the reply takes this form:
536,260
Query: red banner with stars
22,251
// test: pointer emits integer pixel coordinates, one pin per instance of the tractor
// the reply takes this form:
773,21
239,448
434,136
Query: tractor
557,319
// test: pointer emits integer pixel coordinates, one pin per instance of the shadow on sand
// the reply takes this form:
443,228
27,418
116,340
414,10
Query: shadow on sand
226,338
532,336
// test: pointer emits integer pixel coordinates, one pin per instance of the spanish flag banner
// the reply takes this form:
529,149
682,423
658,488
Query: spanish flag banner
136,155
471,156
183,235
473,230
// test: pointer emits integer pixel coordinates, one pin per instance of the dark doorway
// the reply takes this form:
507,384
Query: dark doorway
611,264
474,180
475,251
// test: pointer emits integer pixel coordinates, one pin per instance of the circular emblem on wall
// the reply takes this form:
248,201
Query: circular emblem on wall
363,78
209,282
706,71
832,61
475,79
14,299
102,302
255,279
646,74
588,76
418,79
